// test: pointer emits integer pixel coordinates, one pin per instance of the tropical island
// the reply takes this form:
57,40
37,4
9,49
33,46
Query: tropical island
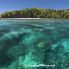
36,13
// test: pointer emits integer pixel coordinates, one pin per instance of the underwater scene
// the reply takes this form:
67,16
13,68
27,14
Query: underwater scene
34,44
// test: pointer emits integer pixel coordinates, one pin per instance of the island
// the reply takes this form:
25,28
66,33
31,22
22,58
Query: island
36,13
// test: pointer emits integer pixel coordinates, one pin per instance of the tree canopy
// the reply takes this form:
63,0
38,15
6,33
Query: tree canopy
36,13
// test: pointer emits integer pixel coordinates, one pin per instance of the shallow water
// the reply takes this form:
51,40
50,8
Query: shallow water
34,44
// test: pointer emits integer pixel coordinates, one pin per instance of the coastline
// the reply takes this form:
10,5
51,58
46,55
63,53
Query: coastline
26,18
35,18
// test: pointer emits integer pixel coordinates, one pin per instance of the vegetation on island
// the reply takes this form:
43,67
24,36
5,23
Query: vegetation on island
36,13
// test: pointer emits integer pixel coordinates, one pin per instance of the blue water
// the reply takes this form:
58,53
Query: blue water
34,44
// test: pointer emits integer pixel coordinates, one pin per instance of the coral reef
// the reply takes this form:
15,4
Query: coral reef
27,45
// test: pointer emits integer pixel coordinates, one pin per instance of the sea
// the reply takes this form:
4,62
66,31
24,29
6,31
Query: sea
34,43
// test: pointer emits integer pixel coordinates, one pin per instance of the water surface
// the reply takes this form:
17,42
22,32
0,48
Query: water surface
24,43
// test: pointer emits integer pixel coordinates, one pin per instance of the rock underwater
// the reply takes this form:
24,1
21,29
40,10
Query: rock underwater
20,49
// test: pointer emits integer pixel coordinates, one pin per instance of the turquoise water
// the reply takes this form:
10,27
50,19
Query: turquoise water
34,44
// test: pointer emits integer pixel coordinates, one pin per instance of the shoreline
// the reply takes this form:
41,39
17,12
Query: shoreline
25,18
34,18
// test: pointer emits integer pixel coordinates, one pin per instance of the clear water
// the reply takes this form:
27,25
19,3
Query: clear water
34,44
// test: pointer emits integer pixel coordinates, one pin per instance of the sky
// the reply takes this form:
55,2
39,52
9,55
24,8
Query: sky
8,5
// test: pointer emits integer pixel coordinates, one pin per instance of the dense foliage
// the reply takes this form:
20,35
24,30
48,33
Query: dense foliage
37,13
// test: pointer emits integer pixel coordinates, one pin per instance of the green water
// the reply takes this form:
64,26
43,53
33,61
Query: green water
34,44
